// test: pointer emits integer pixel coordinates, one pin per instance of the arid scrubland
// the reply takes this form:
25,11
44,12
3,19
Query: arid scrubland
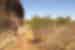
58,35
51,34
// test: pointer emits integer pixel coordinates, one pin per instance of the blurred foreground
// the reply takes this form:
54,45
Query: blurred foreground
51,34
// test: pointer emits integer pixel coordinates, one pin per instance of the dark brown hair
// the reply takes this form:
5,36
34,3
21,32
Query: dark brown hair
15,6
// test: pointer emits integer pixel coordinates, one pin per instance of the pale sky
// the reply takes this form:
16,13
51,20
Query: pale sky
49,7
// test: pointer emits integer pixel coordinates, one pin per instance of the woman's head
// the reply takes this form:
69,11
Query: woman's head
16,14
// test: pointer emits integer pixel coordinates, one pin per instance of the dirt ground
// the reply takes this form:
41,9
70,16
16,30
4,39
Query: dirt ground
60,38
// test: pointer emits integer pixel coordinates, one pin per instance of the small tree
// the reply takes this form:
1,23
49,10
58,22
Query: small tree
38,22
61,20
68,19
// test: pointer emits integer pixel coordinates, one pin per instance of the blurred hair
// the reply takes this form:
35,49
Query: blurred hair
16,7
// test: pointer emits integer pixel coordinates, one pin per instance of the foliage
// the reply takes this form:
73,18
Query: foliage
38,22
43,22
62,20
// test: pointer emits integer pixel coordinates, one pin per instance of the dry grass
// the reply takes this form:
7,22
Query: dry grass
59,38
62,38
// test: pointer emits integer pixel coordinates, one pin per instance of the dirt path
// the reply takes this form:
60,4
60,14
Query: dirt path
51,37
57,31
6,40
